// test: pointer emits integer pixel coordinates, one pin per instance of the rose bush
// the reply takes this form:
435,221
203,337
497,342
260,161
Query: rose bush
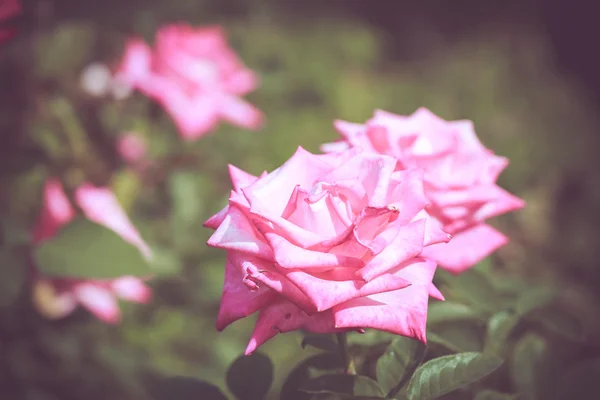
459,180
194,75
327,243
58,297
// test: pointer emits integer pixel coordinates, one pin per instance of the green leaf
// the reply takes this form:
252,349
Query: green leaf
467,335
448,311
126,185
535,299
434,340
499,330
185,188
399,361
580,381
475,287
250,377
165,261
347,385
187,388
307,369
83,249
494,395
14,270
527,365
321,342
445,374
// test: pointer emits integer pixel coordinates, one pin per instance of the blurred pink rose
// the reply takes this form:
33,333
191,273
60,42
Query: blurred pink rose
460,177
99,296
131,147
9,9
195,76
327,243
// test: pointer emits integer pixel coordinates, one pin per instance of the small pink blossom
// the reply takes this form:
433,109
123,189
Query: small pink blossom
460,177
327,243
9,9
99,296
195,76
131,147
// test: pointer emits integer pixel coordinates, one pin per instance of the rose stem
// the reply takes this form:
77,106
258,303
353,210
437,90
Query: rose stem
346,359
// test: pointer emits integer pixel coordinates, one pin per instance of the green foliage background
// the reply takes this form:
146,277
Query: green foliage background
314,68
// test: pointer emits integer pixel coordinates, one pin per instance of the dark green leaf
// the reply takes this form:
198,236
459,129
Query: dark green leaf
448,311
434,340
83,249
306,370
250,377
494,395
499,330
445,374
399,361
348,385
475,287
466,335
187,388
527,365
165,261
536,298
580,381
321,342
185,188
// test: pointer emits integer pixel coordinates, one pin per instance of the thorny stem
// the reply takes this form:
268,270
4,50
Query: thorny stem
346,359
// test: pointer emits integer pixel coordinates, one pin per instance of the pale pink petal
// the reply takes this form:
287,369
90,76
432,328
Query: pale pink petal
466,248
135,66
435,292
266,273
101,206
406,245
132,289
217,219
288,255
237,233
272,193
238,300
282,316
328,290
100,301
402,312
56,211
239,178
242,82
241,113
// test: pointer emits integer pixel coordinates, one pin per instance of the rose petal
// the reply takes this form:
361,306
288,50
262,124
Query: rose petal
466,248
282,316
238,300
100,301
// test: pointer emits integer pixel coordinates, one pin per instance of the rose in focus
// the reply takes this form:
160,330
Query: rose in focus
459,180
58,297
195,76
327,243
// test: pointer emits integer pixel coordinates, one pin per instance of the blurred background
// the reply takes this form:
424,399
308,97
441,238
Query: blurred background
526,73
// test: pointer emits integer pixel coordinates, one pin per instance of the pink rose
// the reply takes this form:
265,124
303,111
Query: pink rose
327,243
195,76
460,177
99,296
9,9
131,147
